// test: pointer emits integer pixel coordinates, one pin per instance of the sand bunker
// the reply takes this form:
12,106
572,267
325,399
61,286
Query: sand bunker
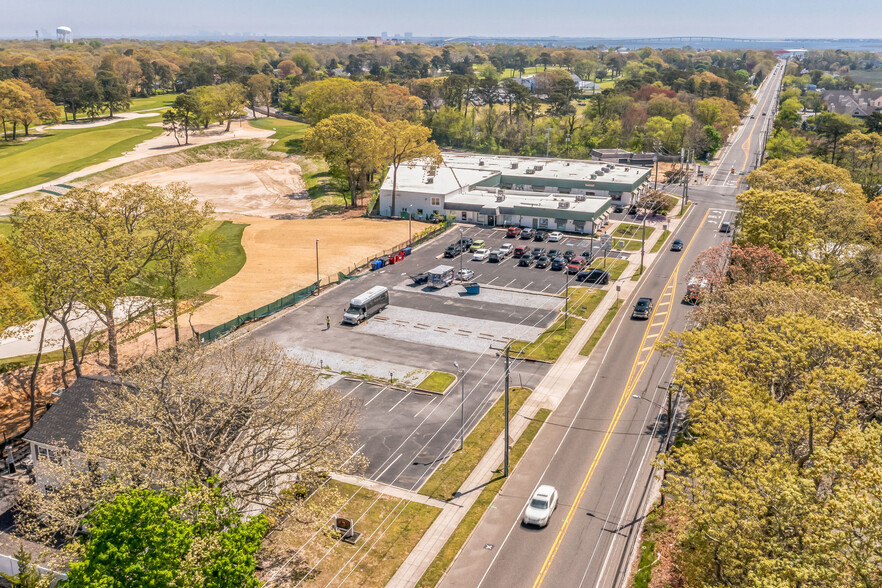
269,189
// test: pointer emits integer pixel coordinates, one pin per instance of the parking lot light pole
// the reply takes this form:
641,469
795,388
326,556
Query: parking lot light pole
461,253
318,283
643,242
461,404
409,230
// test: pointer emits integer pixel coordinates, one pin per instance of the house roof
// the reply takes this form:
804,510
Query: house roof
65,422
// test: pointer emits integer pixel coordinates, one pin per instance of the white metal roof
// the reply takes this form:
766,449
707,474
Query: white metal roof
367,296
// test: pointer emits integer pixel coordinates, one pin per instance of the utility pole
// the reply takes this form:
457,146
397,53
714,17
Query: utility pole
461,253
655,163
461,404
318,283
643,241
505,462
566,297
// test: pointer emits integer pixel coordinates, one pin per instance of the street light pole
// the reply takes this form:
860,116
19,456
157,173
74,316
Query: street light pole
505,461
566,297
643,242
461,404
461,253
318,283
409,219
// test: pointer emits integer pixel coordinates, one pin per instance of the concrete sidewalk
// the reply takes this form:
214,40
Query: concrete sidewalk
548,394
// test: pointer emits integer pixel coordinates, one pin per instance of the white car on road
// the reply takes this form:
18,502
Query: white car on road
555,236
541,505
465,274
480,254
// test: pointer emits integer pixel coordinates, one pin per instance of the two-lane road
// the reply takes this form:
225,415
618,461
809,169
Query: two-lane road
598,445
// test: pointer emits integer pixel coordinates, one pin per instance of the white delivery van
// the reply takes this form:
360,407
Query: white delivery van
366,305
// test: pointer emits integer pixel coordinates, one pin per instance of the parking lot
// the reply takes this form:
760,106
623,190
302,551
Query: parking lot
507,273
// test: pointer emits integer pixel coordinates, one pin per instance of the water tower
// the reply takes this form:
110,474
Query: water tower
63,34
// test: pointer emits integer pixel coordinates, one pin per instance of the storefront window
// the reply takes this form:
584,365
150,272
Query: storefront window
543,222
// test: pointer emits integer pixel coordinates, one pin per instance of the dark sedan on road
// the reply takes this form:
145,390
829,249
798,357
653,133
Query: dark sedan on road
542,261
643,309
677,245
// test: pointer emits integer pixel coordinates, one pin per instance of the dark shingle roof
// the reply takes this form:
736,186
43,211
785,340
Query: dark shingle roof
64,423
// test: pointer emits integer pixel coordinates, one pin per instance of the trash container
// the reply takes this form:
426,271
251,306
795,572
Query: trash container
376,264
407,251
392,259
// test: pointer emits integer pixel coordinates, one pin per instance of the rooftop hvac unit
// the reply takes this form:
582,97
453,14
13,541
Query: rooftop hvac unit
481,162
580,198
500,197
563,204
612,166
627,169
540,167
599,173
514,165
430,180
531,171
593,176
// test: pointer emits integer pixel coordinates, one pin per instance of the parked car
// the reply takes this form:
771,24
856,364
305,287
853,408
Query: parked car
526,260
643,308
632,210
555,236
466,243
453,250
520,250
569,254
538,251
542,261
465,275
619,208
506,248
540,236
513,232
587,254
593,276
476,244
554,253
726,227
677,245
480,254
541,505
575,264
528,233
496,256
558,263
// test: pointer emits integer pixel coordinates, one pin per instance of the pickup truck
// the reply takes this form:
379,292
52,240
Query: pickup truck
643,308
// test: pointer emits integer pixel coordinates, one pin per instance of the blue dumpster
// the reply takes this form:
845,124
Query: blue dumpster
472,287
376,264
407,251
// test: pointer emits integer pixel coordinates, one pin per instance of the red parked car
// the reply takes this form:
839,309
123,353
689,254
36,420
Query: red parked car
513,232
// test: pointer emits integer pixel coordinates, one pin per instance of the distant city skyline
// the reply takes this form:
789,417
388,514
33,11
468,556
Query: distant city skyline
455,18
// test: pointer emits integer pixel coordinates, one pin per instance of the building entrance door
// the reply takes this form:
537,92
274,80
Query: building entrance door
535,223
491,220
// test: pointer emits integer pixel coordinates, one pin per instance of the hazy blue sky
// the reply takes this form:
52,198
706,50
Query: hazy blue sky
730,18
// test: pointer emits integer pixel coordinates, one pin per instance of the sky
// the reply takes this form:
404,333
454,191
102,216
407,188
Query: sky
446,18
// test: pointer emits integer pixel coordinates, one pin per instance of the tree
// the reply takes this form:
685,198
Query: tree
349,143
289,68
182,117
71,80
227,102
113,90
28,575
14,103
192,538
750,264
129,71
834,127
406,141
783,145
177,256
259,89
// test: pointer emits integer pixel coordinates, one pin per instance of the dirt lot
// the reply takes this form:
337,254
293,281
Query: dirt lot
281,259
272,189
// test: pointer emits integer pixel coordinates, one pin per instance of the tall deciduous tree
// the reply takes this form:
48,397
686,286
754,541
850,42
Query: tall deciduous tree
182,117
405,141
259,89
351,144
227,102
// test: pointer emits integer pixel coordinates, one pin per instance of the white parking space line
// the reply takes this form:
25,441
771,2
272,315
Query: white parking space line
428,404
385,469
354,389
510,283
375,396
493,280
546,287
397,403
528,286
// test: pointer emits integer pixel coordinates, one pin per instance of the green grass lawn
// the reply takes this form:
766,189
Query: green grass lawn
326,197
661,241
445,557
5,226
437,382
601,328
390,527
288,135
631,231
549,345
152,102
615,267
583,301
225,260
450,476
44,159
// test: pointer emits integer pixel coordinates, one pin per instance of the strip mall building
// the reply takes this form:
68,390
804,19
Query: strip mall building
554,194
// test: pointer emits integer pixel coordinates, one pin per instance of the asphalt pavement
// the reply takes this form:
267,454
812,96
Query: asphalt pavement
598,445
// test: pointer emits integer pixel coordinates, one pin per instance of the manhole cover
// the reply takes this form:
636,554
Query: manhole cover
488,546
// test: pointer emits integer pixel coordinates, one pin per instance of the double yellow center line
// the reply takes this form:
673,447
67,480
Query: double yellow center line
653,331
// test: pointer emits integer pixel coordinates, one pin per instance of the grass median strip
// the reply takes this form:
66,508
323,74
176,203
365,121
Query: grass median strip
437,382
445,557
601,328
550,344
583,301
390,528
451,475
661,241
